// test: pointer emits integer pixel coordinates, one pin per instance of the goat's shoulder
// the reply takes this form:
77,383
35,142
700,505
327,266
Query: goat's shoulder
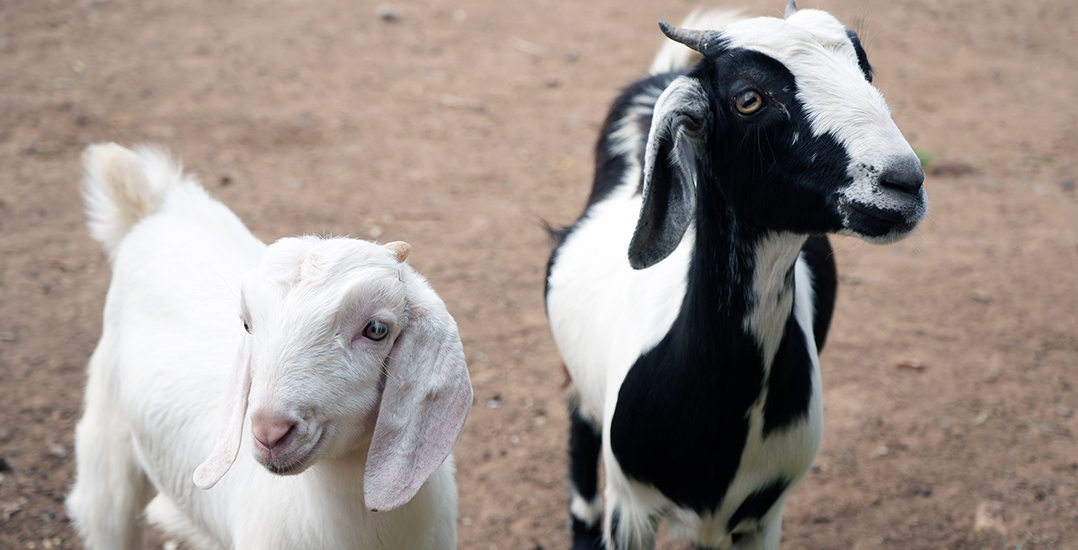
619,152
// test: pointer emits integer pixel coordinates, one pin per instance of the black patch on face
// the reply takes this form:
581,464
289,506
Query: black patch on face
771,168
756,505
862,57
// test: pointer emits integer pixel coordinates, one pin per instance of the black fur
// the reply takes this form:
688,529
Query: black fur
585,443
862,57
587,537
789,382
821,258
610,165
633,106
756,505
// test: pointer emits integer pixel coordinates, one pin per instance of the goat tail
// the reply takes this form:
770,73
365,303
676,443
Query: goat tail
675,57
122,186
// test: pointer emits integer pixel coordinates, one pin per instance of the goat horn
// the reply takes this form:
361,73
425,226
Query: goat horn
791,9
400,249
694,39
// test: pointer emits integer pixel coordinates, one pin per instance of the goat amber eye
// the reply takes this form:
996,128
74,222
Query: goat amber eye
376,330
748,103
246,326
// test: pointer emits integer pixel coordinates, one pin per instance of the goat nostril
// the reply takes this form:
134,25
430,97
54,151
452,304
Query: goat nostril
905,176
270,432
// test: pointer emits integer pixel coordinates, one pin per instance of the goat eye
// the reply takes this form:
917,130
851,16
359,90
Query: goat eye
246,326
748,102
376,330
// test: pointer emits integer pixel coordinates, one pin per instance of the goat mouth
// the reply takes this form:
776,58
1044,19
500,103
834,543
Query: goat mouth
874,222
292,465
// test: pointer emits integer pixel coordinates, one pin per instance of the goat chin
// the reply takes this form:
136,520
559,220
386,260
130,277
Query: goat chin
691,298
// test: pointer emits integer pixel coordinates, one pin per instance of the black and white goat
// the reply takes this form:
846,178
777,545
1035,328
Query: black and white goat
693,357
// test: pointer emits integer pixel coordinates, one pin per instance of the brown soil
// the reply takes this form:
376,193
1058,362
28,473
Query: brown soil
950,383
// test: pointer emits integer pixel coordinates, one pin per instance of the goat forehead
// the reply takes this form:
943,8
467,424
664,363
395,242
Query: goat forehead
831,86
808,31
313,310
295,259
360,291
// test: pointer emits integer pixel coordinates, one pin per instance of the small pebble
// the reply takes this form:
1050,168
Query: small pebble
387,12
982,296
912,364
1068,184
883,451
57,450
988,518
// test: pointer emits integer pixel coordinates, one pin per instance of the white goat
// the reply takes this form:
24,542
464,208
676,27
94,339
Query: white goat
350,365
691,298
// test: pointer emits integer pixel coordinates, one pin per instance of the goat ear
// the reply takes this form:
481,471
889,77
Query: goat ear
228,440
682,117
425,401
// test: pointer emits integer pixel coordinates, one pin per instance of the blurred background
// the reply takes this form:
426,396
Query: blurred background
460,125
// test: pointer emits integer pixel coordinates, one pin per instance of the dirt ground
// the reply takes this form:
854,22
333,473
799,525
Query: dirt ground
951,392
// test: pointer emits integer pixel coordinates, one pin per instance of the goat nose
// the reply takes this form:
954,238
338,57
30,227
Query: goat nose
270,428
903,174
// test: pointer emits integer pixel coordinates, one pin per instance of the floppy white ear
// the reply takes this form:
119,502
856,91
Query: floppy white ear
425,401
228,440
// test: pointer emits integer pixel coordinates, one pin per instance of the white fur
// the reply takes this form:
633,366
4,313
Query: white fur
174,356
590,284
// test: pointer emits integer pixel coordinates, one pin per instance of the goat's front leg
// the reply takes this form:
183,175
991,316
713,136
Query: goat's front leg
110,490
765,537
585,443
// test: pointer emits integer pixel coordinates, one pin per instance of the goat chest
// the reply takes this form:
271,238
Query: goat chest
688,416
